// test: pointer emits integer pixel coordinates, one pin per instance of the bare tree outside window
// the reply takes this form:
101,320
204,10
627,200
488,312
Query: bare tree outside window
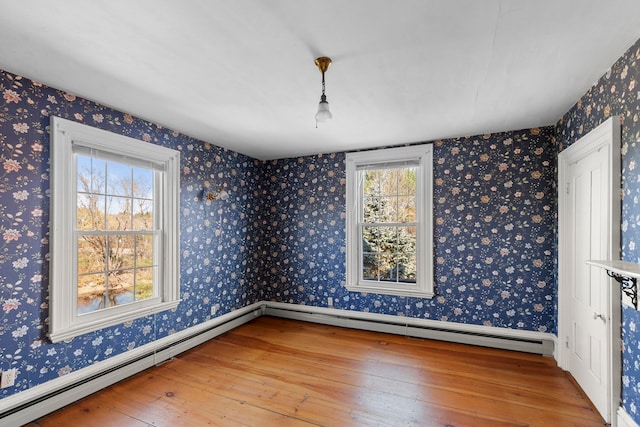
114,233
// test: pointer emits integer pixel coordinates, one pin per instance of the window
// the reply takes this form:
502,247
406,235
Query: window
114,229
389,221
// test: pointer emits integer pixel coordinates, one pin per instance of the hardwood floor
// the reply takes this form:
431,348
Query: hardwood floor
277,372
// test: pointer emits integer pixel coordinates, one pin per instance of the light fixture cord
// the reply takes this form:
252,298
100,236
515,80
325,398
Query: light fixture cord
322,97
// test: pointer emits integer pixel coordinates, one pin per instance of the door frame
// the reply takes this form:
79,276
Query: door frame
605,136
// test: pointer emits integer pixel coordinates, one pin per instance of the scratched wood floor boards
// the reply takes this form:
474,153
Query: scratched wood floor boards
277,372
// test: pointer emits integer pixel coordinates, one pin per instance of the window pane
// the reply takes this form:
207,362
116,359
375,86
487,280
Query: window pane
386,239
119,179
405,207
387,209
407,238
119,213
369,266
121,252
407,268
91,254
389,254
144,250
384,267
120,287
407,184
90,212
144,283
371,209
370,239
389,182
91,291
90,175
405,257
142,214
142,183
371,182
389,195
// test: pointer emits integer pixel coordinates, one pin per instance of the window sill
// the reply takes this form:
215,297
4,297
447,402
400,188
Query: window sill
389,290
77,330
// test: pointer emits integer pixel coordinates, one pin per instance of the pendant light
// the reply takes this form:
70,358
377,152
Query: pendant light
323,113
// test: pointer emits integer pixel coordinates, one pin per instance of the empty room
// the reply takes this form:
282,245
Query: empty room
319,213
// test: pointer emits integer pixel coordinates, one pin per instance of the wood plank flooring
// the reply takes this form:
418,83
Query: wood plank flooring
277,372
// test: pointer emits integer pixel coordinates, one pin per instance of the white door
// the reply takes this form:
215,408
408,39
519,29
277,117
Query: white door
587,232
588,299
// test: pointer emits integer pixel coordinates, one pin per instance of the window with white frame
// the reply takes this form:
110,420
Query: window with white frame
114,229
389,221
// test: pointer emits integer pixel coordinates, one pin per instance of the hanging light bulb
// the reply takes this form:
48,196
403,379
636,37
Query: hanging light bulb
323,113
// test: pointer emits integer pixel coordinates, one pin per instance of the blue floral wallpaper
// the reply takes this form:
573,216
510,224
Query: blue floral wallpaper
281,234
218,271
618,93
495,216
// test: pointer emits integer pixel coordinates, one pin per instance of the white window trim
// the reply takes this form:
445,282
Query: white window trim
64,322
424,287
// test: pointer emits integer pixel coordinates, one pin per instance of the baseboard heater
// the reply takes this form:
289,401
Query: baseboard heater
58,396
525,341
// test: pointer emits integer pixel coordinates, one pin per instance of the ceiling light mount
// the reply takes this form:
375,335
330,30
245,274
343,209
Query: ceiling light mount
323,113
323,64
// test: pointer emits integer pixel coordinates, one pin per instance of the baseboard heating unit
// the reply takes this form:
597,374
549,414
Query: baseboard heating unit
31,404
485,336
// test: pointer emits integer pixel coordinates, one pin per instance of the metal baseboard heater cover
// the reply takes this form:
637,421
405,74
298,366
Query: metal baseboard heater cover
55,394
473,335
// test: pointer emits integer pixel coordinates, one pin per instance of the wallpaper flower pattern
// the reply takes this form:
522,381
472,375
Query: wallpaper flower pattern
494,210
618,93
218,272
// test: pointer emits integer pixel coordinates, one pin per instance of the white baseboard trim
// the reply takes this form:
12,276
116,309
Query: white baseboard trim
28,405
624,419
486,336
31,404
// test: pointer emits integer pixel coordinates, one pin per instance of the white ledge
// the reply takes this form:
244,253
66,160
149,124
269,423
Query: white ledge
622,268
626,274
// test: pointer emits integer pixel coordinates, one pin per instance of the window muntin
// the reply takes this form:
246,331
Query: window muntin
389,221
114,229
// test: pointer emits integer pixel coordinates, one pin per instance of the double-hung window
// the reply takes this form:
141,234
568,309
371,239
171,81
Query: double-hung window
389,221
114,226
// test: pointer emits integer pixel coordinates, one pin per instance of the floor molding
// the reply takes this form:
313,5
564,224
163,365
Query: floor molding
624,419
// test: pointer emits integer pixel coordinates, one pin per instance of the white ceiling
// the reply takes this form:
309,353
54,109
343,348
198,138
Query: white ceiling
241,74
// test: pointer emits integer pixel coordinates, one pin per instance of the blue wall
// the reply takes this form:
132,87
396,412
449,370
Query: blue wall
618,93
494,213
217,266
281,236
